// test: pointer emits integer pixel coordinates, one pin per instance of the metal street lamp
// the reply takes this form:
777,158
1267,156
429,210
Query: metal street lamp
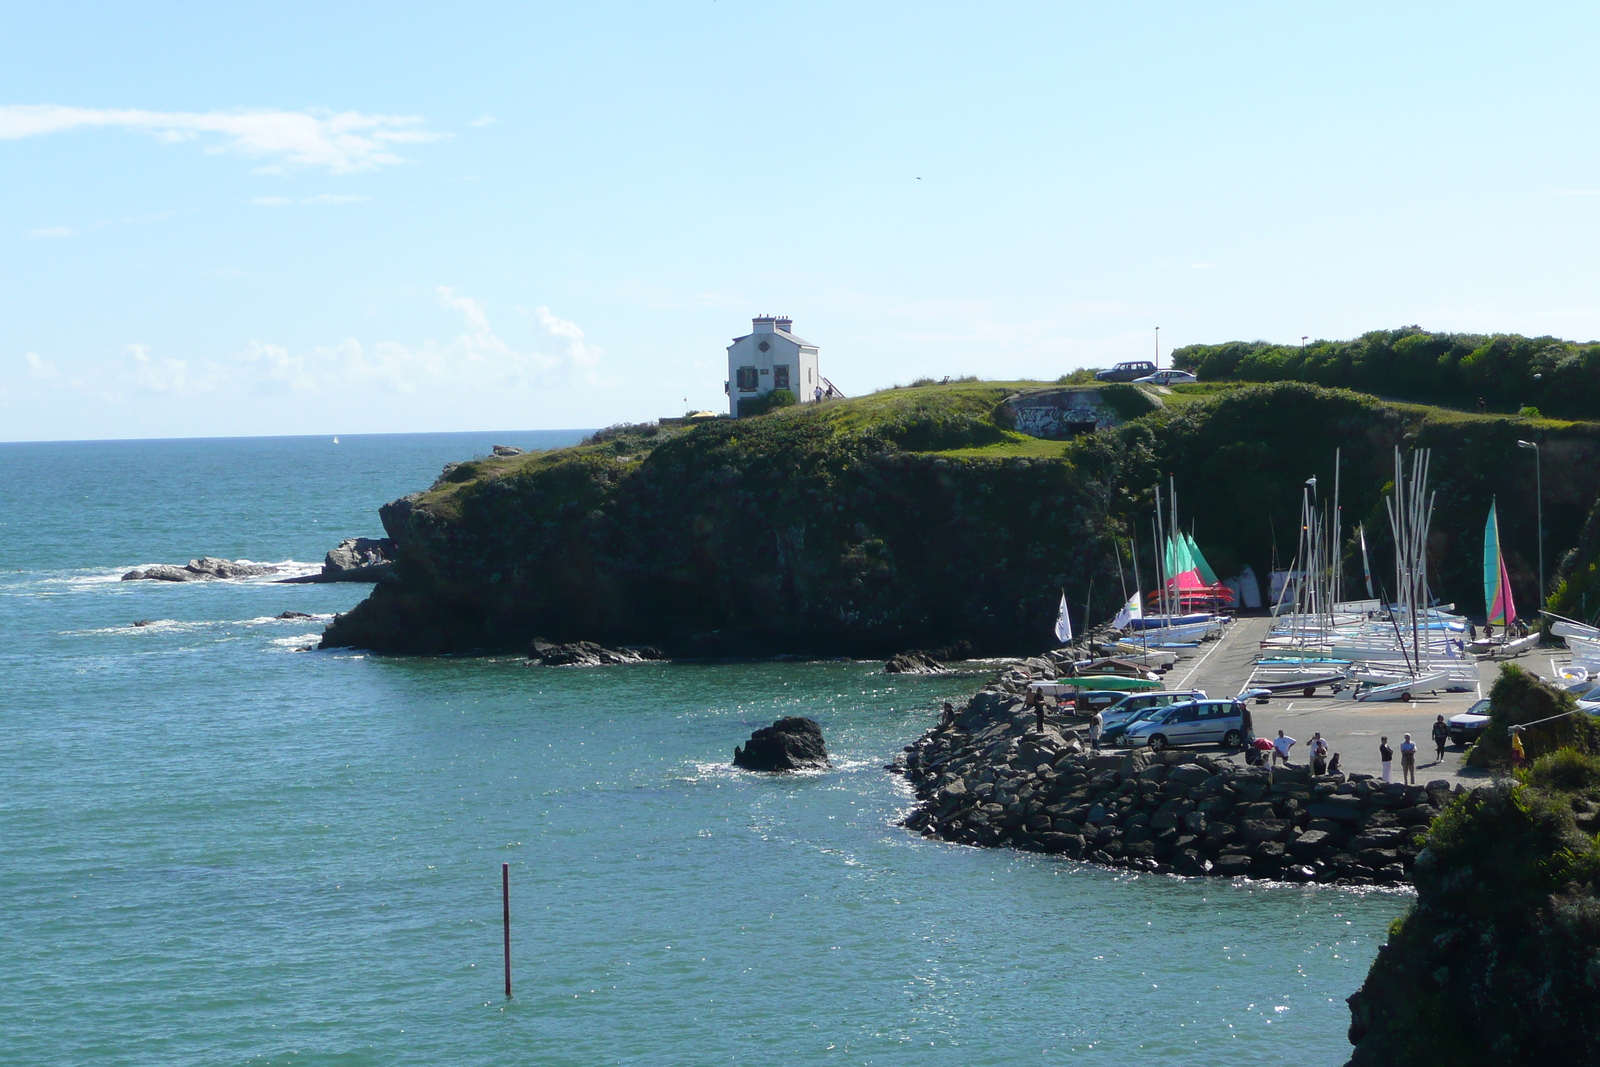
1538,476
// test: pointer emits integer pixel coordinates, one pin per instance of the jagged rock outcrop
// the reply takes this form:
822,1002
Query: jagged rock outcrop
508,450
204,569
790,744
914,663
587,654
355,559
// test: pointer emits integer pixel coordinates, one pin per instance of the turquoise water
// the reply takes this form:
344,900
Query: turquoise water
217,850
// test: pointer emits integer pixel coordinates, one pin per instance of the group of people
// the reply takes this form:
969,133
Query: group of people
1277,749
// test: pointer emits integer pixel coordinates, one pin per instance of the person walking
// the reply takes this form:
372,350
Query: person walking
1319,754
1280,748
1408,761
1096,723
1386,754
1441,734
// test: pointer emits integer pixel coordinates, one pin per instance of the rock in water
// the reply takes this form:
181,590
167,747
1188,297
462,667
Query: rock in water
914,663
355,553
790,744
204,569
291,615
587,654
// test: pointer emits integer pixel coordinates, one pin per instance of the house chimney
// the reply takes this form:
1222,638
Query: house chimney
762,324
786,324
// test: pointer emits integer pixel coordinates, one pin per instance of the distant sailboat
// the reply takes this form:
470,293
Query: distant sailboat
336,439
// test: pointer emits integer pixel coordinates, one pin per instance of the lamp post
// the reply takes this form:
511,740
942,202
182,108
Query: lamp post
1538,481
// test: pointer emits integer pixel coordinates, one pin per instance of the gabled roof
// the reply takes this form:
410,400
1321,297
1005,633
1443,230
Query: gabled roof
786,335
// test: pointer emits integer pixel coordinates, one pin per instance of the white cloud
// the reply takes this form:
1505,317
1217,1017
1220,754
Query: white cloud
340,142
584,356
1202,266
158,375
52,231
271,201
39,367
484,120
477,360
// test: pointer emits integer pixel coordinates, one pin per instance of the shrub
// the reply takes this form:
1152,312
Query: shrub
1565,769
1528,412
623,429
1518,697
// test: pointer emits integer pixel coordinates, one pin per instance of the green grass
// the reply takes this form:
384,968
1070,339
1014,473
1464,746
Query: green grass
1015,446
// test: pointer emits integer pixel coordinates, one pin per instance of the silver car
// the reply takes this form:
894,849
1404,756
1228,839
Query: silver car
1198,722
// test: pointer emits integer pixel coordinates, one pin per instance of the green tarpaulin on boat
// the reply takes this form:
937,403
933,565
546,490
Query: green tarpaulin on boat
1120,682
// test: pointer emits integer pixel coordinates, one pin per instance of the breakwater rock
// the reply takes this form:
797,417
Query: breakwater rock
987,777
204,569
790,744
355,559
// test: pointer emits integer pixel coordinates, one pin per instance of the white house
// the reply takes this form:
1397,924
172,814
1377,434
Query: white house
771,357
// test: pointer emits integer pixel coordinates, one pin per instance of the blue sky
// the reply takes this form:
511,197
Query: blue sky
296,218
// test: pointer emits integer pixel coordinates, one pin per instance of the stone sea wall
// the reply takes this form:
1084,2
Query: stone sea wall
987,777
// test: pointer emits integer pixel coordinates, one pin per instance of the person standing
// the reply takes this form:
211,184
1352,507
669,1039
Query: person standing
1319,754
1280,748
1096,724
1408,761
1386,754
1441,734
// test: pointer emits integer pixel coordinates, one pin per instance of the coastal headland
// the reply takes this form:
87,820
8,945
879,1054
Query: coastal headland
920,518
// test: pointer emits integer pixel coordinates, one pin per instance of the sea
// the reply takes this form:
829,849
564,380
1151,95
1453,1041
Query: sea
218,846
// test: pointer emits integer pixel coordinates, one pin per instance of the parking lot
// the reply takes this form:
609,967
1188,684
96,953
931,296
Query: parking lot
1352,728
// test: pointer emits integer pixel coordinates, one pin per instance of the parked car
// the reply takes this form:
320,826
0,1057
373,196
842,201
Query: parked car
1197,722
1167,377
1132,370
1134,705
1469,725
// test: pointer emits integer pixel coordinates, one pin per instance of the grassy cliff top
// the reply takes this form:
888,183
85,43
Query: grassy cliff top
960,421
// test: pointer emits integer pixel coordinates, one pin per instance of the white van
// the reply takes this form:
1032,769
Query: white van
1225,722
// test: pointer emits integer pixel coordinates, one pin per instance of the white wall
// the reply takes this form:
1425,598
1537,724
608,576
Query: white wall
781,351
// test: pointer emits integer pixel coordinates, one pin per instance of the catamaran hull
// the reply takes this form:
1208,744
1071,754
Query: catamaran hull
1403,690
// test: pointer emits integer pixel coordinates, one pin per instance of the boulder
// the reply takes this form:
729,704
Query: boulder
1230,865
204,569
790,744
586,654
507,450
294,615
358,553
914,663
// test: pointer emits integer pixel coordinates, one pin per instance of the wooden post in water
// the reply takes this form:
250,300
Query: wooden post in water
505,899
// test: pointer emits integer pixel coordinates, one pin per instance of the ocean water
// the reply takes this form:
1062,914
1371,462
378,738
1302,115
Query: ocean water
216,849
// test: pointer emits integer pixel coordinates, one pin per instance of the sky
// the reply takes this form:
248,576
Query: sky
290,218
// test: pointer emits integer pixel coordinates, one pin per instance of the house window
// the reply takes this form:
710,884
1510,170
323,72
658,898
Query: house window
780,376
747,379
